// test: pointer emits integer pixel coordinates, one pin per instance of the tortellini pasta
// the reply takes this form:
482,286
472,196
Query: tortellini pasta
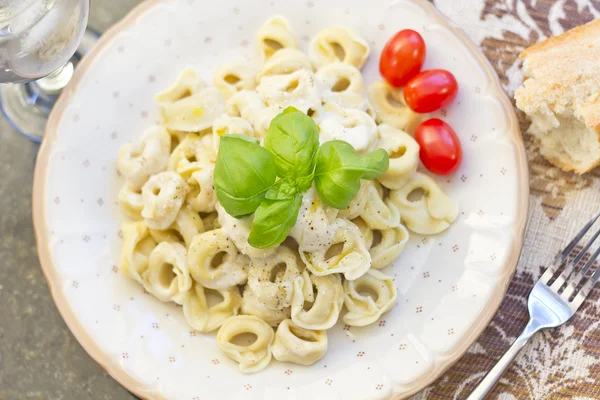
339,77
342,84
298,345
346,254
238,230
252,306
285,61
210,147
187,225
349,124
225,125
386,245
176,138
322,312
231,78
425,209
339,43
183,246
274,35
297,89
204,316
138,162
131,202
210,221
263,122
214,261
201,195
167,276
367,297
187,84
367,233
190,155
404,156
357,205
163,196
138,244
314,230
247,105
390,108
196,112
252,356
271,279
379,213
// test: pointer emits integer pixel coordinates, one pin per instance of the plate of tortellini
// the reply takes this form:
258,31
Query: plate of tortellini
231,203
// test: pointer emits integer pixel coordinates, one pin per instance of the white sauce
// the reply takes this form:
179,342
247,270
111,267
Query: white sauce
354,126
313,229
238,229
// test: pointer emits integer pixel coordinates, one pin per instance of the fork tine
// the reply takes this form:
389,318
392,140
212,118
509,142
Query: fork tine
566,273
587,286
578,278
567,250
564,254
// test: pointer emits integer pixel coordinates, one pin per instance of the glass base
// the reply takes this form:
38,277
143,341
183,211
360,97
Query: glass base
26,106
21,112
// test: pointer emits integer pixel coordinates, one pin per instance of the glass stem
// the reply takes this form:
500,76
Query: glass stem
43,92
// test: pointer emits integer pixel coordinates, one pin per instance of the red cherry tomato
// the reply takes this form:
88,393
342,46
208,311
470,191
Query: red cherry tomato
440,152
402,57
430,90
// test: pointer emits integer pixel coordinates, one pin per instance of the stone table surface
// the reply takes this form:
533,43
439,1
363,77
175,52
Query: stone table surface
39,357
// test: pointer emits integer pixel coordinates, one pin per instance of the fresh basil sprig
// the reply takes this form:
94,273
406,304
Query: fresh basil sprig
283,189
244,172
339,171
273,220
293,139
245,175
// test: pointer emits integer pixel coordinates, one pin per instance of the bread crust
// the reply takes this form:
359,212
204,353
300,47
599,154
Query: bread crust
576,34
563,76
590,113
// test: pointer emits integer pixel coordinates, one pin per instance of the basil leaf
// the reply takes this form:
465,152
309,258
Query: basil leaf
281,190
375,164
339,171
244,171
293,140
303,184
273,220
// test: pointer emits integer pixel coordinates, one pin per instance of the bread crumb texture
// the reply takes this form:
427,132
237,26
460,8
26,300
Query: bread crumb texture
561,95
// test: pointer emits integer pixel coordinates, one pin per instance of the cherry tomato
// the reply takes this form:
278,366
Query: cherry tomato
402,57
440,152
430,90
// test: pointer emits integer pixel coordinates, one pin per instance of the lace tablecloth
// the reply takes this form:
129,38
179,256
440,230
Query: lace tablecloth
561,363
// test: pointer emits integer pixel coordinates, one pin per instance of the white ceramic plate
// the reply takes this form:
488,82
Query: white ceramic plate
449,285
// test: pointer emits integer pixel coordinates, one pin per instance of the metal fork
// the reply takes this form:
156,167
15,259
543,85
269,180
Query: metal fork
551,301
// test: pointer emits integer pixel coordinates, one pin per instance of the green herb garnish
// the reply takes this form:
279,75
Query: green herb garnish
293,139
246,174
273,220
340,169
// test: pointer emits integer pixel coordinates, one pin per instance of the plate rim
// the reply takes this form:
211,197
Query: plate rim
139,389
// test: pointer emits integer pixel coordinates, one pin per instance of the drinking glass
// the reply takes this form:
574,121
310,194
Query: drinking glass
40,43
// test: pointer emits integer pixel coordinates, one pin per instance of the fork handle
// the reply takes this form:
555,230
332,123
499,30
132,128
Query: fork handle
489,381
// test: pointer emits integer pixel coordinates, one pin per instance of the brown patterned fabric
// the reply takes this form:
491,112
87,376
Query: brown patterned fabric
561,363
